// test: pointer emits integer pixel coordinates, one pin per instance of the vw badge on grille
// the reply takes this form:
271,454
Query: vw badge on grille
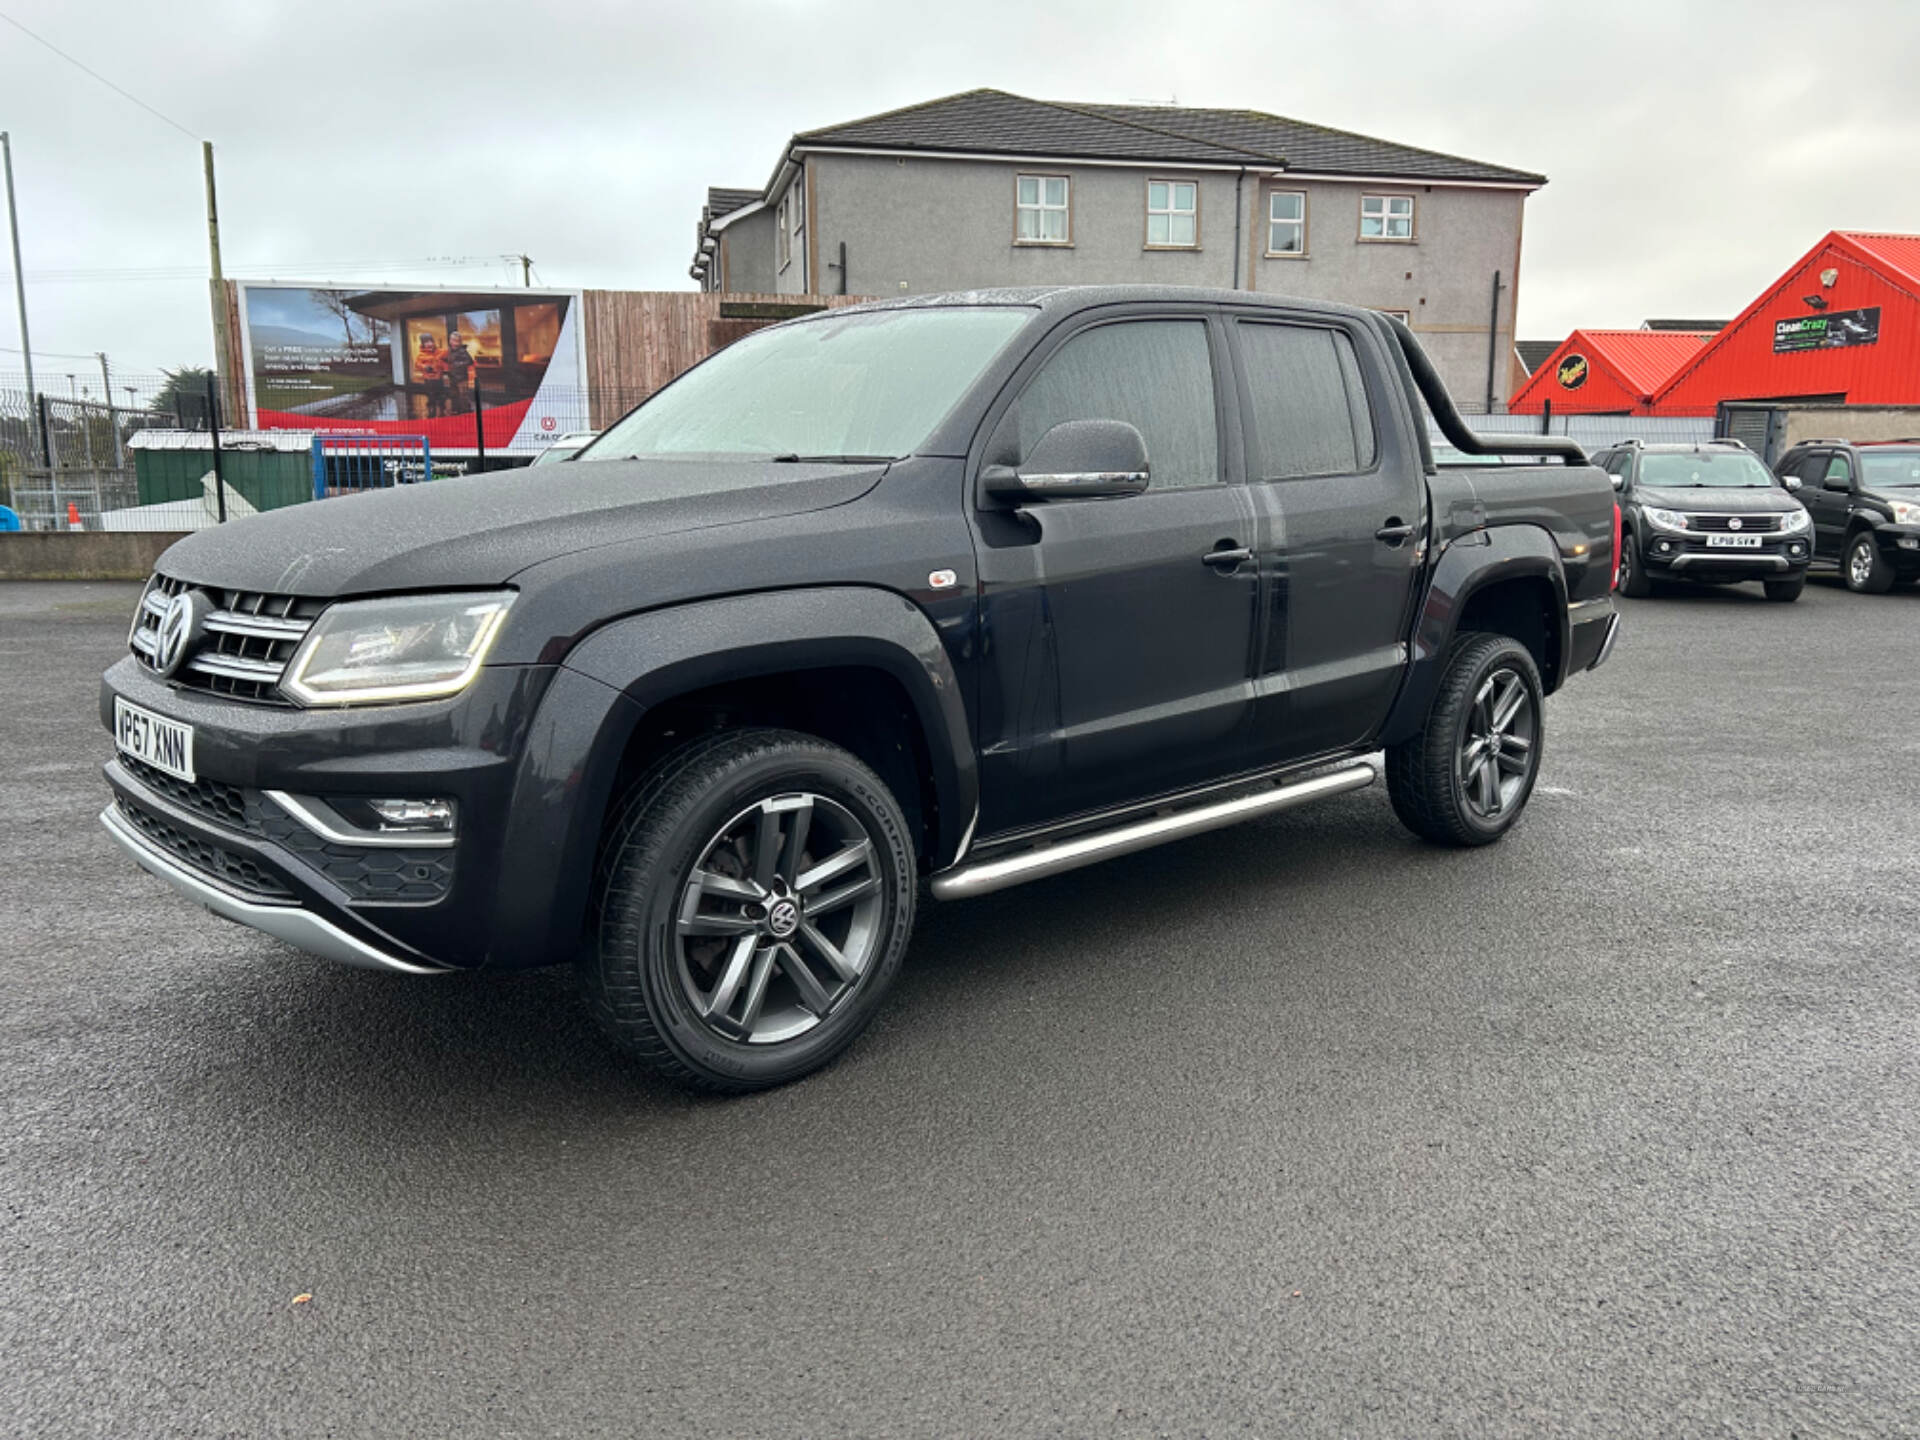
180,630
1734,523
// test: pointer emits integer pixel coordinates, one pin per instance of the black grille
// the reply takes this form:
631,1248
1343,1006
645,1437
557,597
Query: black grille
210,799
1749,524
377,873
225,650
233,870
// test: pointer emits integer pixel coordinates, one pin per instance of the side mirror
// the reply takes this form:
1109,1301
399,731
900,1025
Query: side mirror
1075,460
1792,482
1619,480
1837,482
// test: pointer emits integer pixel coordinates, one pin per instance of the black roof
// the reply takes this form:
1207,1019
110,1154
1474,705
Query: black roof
1684,324
1064,299
994,122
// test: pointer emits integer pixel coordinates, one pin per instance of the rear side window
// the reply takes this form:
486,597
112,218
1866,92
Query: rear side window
1157,375
1310,411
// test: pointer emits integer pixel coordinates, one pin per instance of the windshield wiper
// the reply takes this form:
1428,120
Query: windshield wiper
792,459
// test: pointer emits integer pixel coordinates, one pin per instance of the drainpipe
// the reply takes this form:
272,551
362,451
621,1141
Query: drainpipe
1493,340
1239,214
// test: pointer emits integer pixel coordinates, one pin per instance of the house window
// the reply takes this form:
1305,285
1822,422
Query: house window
1287,223
1386,217
1041,210
1403,316
1173,215
782,231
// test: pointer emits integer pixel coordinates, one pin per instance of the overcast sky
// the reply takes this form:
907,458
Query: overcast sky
1694,147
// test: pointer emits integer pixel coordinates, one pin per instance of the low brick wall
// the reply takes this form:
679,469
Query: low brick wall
81,555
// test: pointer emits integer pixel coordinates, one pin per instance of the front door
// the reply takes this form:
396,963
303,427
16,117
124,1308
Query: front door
1116,639
1827,492
1343,513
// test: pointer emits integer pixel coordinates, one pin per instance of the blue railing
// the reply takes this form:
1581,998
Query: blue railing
349,464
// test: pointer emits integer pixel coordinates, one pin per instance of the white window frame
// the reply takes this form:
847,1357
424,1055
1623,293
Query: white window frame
1301,223
1385,215
1041,208
1170,212
1405,317
782,232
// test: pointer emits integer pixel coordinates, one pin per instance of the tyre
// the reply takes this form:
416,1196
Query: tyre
1466,776
1863,569
754,896
1634,583
1785,591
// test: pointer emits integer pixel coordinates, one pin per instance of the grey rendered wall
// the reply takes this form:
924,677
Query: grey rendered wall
919,226
747,245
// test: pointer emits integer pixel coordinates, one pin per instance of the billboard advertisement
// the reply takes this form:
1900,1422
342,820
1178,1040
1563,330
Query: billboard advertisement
410,362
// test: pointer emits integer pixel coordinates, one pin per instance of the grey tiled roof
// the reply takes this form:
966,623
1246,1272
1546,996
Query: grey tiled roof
1684,324
721,200
1534,353
994,122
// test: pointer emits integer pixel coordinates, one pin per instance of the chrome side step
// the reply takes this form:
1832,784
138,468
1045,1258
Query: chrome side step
991,875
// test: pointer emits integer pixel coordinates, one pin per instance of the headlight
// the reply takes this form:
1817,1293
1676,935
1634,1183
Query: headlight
1664,519
1795,520
1905,514
412,647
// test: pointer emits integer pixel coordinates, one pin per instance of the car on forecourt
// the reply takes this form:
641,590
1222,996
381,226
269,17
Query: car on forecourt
1706,513
1865,501
977,588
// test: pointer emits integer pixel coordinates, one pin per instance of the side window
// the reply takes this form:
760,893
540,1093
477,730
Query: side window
1157,375
1839,469
1621,463
1310,411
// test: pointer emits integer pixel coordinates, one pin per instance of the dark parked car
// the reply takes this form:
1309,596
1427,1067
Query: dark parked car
1709,514
1865,503
979,588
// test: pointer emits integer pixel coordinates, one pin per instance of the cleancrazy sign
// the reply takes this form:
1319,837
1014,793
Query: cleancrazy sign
1827,332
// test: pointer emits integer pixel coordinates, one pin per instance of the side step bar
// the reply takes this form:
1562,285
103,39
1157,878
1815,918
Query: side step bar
990,875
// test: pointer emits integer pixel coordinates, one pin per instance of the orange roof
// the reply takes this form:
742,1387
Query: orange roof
1899,253
1645,358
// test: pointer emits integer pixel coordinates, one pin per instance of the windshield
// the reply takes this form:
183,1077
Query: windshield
1890,467
859,386
1713,469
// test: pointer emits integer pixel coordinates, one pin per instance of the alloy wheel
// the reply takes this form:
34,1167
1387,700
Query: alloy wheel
1496,750
780,918
1860,563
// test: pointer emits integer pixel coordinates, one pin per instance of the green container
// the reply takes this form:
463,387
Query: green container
265,479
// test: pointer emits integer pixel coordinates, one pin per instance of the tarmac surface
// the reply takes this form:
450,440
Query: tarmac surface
1299,1128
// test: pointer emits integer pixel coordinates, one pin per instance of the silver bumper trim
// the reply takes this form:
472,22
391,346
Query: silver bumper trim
965,882
1606,644
300,928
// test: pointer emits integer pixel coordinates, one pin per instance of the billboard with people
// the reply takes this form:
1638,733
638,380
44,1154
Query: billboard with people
416,362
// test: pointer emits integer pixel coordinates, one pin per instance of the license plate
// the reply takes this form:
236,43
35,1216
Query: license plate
1733,542
162,743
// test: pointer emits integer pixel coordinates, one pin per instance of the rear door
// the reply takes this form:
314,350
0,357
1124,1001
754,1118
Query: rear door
1826,485
1333,470
1117,635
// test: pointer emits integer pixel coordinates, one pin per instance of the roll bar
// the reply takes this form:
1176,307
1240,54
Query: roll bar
1440,404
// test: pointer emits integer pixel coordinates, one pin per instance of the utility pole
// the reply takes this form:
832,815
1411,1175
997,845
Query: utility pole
113,420
221,366
19,278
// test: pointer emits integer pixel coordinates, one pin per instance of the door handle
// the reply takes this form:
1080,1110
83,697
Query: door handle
1227,556
1394,531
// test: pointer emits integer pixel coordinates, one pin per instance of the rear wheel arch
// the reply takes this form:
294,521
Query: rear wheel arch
1506,580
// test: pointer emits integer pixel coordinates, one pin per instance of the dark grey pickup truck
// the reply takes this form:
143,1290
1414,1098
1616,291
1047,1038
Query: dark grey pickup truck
967,590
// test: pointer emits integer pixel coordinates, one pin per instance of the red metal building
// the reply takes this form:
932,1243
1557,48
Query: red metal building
1607,372
1841,327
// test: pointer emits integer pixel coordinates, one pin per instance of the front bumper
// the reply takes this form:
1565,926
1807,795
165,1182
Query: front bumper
284,921
1687,557
244,842
1899,548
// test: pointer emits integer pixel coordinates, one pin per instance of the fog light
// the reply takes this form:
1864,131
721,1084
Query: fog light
1796,549
1665,547
432,815
1909,542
